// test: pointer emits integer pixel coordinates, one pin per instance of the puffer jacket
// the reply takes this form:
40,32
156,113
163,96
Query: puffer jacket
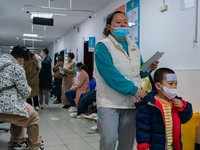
12,100
150,123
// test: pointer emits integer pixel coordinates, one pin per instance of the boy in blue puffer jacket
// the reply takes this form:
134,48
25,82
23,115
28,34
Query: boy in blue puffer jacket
160,114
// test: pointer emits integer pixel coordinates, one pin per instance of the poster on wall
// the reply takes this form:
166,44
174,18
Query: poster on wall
65,58
133,15
91,44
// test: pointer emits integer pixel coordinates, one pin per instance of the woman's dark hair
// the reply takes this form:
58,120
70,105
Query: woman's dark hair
159,74
46,51
32,54
71,55
60,57
80,64
20,52
109,19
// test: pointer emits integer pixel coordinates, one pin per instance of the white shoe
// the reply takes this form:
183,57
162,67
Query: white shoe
73,115
72,109
81,116
36,108
94,128
93,116
54,98
45,106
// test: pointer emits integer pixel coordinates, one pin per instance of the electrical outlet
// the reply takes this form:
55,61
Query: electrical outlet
163,8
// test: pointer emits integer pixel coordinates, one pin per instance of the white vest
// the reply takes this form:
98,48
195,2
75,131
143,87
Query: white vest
128,66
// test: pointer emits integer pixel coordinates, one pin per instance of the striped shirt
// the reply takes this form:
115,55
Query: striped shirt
167,108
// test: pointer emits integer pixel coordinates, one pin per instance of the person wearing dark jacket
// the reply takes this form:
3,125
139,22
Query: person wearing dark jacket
58,78
160,114
45,77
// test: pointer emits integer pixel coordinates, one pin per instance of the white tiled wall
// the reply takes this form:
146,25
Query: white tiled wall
189,89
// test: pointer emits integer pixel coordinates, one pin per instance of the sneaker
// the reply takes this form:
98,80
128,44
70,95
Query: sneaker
93,116
57,102
66,106
36,108
20,145
73,115
73,109
81,116
41,147
45,106
94,128
54,98
41,106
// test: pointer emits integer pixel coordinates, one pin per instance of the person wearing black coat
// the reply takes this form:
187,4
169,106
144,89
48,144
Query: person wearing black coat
45,77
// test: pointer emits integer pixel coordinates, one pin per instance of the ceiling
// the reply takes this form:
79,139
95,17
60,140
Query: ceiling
14,21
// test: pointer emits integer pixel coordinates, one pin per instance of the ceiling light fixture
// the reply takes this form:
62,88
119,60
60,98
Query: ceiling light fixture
26,39
58,11
41,15
30,35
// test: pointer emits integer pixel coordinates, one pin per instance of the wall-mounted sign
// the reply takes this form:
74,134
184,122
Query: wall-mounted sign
91,44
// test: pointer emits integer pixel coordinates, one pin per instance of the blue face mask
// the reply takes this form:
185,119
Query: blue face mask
120,32
56,58
76,69
41,54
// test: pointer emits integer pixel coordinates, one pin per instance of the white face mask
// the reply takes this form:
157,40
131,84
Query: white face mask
169,93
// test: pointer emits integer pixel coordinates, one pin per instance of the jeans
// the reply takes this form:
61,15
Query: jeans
87,99
70,96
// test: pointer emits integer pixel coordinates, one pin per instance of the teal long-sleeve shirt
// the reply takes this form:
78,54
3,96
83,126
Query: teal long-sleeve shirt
111,74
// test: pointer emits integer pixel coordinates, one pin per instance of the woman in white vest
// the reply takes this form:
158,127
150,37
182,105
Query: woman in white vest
118,76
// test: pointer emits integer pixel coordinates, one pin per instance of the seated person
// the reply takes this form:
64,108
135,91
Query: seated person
81,87
86,100
14,90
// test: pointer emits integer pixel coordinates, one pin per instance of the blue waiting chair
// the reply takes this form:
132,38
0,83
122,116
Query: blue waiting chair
4,129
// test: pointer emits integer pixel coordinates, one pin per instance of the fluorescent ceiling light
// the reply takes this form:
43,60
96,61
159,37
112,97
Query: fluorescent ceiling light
41,15
30,35
31,39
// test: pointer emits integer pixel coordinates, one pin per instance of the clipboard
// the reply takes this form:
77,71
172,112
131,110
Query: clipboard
147,65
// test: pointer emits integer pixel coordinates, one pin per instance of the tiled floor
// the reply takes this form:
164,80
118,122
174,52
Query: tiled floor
61,132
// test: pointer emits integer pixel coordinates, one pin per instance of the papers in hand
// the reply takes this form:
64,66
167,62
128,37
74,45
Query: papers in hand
147,65
61,70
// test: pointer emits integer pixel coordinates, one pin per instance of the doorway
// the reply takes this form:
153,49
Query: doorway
88,59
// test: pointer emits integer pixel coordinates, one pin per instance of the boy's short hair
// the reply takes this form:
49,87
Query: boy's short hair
159,74
46,51
20,52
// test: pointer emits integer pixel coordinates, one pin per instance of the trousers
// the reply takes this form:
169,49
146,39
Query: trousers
18,125
116,124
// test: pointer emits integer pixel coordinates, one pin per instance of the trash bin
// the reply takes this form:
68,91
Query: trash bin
188,131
